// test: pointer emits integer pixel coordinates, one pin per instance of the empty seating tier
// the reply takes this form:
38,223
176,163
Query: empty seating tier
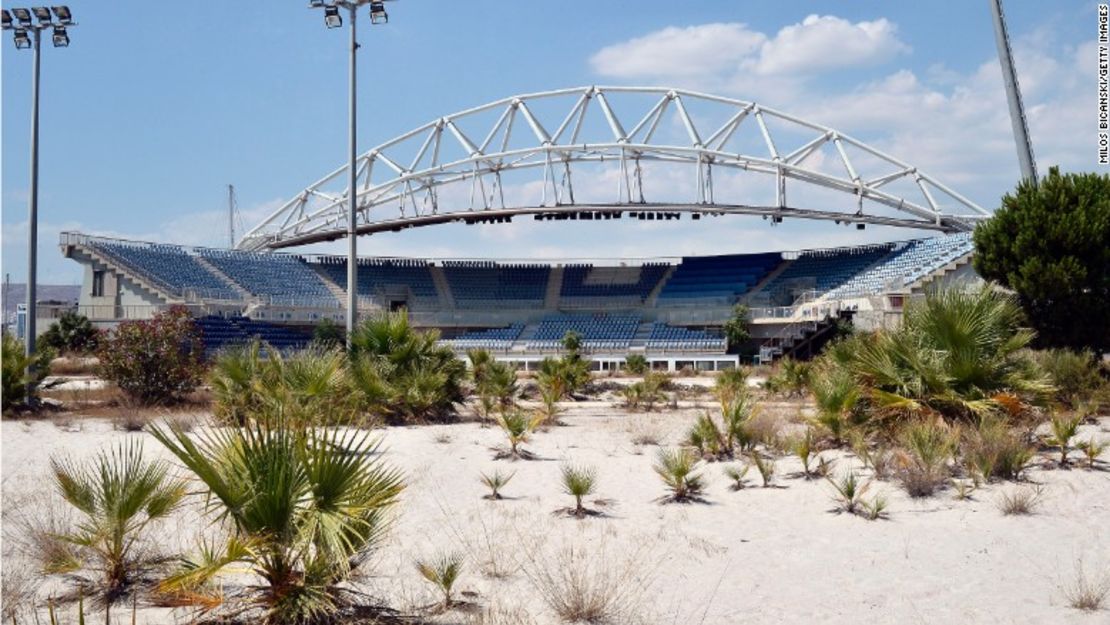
386,277
717,277
479,284
168,267
667,337
820,271
493,338
907,265
282,277
598,331
219,332
633,284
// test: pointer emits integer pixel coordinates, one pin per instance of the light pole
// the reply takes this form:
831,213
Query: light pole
27,28
332,19
1013,95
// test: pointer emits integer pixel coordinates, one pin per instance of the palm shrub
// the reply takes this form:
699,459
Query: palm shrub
1092,449
836,395
118,495
442,571
849,492
654,383
678,470
238,376
706,436
402,375
738,414
1074,375
518,427
736,473
565,375
72,333
927,447
803,446
305,507
636,364
729,384
633,395
765,466
958,353
14,371
993,450
154,361
579,482
791,377
1064,428
495,482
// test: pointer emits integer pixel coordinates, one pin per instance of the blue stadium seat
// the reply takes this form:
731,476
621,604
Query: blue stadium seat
477,284
281,277
168,267
717,277
379,276
598,331
493,338
627,283
219,332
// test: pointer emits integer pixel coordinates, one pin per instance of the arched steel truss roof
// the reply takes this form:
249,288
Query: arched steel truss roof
400,182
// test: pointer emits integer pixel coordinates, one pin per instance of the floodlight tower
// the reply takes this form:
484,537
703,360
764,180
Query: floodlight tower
1013,95
27,31
333,19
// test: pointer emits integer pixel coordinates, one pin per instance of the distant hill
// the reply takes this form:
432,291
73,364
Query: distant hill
16,293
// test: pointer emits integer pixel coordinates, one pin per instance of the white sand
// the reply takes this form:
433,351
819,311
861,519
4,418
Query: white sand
756,556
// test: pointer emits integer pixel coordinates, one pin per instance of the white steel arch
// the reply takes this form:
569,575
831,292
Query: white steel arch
399,183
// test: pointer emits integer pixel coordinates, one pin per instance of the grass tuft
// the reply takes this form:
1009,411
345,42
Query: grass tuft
1020,501
495,482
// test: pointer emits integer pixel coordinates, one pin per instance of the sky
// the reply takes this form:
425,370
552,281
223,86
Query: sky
156,107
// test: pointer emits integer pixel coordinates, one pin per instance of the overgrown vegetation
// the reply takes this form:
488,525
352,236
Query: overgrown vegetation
304,509
72,333
155,361
16,380
118,495
1049,242
678,470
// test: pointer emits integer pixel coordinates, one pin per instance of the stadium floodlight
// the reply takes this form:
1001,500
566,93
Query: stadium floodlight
7,18
28,35
378,14
332,19
63,14
22,39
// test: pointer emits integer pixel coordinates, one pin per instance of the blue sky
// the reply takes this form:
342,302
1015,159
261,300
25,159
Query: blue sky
156,106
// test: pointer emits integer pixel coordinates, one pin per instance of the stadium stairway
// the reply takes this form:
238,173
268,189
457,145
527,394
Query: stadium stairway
940,272
131,276
446,297
554,288
336,290
653,297
212,269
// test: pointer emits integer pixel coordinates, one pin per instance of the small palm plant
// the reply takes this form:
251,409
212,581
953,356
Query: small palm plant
518,427
1092,449
803,447
442,571
765,466
119,494
1064,429
495,482
305,508
849,492
706,436
678,470
736,473
579,482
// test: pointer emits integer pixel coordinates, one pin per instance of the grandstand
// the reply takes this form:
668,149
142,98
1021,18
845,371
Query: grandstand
670,310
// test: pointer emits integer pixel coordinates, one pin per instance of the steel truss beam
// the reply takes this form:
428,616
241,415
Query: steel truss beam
406,192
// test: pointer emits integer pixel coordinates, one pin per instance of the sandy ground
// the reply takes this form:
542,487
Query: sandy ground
760,555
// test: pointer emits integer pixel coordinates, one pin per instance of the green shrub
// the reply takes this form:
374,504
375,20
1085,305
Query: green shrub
923,464
993,450
678,470
15,364
118,495
71,333
303,508
402,375
636,364
1074,374
156,361
327,334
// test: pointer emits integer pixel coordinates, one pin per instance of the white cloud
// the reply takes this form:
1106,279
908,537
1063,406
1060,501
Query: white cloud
825,42
677,52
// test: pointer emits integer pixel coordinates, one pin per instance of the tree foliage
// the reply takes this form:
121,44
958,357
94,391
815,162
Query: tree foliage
71,333
14,374
736,328
154,361
1050,243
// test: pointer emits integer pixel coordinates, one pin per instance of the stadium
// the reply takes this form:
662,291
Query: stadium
670,310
